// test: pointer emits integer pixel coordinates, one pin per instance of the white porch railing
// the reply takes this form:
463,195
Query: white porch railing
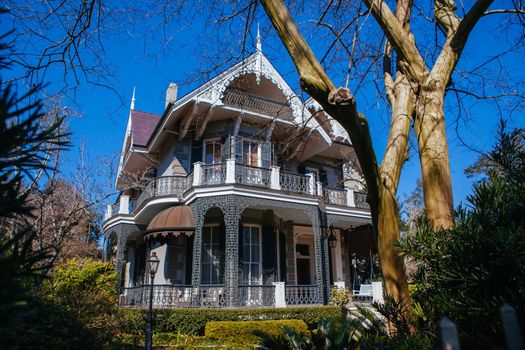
241,99
302,295
332,196
256,296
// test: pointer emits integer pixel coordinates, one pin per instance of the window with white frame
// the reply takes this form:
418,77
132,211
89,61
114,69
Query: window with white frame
212,151
212,255
251,255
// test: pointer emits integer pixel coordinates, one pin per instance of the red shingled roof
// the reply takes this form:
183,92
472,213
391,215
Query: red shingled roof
142,126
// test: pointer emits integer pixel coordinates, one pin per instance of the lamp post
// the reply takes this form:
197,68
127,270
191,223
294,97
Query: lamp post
153,264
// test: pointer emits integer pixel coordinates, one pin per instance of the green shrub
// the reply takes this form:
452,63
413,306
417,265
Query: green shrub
244,332
193,321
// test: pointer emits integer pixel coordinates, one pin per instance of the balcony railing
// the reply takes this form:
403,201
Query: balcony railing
241,99
252,176
163,186
232,173
295,183
360,200
332,196
213,174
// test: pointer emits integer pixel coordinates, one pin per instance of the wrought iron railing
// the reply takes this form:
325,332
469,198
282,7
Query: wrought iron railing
256,296
301,295
241,99
295,182
334,196
360,200
163,186
213,174
210,296
252,176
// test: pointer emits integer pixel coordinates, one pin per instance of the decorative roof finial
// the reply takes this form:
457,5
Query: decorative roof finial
132,106
258,42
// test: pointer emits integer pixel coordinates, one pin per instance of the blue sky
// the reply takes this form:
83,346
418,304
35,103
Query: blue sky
103,119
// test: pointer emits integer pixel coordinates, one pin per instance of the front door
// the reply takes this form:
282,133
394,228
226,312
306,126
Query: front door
303,271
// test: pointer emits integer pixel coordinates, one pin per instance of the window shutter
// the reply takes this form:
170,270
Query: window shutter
240,247
266,154
269,261
238,150
225,150
323,177
196,152
301,169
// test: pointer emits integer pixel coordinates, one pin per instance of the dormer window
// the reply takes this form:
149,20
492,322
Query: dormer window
212,151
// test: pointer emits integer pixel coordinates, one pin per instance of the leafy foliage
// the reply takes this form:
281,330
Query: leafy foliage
467,272
251,332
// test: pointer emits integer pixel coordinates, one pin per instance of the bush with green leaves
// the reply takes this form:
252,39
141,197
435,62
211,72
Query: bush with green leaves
468,271
193,321
253,332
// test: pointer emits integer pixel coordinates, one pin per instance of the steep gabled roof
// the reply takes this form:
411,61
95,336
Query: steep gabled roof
142,126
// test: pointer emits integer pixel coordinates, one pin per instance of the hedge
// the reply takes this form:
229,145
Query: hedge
193,321
244,332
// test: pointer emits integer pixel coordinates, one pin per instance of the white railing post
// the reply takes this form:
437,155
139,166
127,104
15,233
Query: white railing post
377,292
197,173
319,189
230,171
340,285
123,205
280,300
109,212
311,184
350,200
275,178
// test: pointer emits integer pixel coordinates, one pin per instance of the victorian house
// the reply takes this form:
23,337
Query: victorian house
248,195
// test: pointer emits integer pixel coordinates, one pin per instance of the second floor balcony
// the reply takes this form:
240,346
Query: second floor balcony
230,173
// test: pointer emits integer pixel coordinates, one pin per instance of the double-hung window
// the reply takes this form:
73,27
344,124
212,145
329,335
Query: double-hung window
212,255
251,255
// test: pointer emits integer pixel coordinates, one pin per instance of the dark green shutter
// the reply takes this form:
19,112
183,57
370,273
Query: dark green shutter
323,177
238,150
225,150
266,154
196,152
301,169
269,258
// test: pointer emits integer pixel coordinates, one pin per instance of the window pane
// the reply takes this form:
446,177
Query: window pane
246,252
255,272
255,253
205,273
255,235
217,152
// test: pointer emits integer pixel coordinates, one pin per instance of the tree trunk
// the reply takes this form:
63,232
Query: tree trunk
433,154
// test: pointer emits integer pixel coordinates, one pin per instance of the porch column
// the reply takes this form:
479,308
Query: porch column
322,268
290,253
122,238
196,260
231,221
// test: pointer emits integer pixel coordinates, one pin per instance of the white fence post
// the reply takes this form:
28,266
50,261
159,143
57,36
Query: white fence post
230,171
123,205
320,190
449,335
275,178
377,292
511,327
311,184
197,173
280,299
350,200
